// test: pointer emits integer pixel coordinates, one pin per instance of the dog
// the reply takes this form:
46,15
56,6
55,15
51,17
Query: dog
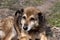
30,24
7,30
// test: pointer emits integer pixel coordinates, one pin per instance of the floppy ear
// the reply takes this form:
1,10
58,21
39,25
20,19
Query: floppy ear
18,16
41,18
17,19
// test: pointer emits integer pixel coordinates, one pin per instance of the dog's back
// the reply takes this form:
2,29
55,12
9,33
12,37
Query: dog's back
6,26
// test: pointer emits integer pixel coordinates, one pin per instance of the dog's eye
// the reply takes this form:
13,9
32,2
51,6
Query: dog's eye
24,17
32,19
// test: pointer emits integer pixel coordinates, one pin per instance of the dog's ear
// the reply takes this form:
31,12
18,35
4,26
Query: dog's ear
19,12
18,16
41,18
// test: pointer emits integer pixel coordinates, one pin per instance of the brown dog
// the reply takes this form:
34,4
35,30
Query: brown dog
7,31
30,24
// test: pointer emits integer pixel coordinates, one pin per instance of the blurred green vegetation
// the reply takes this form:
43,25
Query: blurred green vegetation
10,4
7,3
54,17
31,2
16,4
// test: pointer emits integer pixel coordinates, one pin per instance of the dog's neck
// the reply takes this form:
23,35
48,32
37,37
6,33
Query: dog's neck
37,30
33,31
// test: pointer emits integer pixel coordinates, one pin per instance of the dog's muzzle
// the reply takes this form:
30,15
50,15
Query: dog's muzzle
25,27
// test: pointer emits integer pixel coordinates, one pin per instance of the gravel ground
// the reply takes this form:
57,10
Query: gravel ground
55,34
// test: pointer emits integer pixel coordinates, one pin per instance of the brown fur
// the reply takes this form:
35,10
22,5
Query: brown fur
38,32
6,26
30,11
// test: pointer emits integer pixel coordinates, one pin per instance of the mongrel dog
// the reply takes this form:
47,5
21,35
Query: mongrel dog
31,23
7,31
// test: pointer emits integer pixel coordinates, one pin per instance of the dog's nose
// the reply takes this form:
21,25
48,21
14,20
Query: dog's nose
25,28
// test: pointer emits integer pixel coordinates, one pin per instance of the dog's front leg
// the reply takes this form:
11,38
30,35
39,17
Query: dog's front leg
24,36
43,36
11,34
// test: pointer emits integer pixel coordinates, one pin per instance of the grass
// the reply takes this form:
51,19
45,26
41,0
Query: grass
7,3
55,20
31,2
13,4
16,4
38,1
54,17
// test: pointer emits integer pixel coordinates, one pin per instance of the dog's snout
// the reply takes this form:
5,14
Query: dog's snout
25,27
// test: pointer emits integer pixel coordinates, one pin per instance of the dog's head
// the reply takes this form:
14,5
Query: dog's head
30,18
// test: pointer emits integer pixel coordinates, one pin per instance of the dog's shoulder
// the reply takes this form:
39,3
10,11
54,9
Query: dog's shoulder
6,22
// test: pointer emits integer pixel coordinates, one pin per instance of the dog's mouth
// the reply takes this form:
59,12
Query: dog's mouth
32,30
27,28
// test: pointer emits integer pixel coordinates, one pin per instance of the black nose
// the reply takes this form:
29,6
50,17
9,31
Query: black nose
25,28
